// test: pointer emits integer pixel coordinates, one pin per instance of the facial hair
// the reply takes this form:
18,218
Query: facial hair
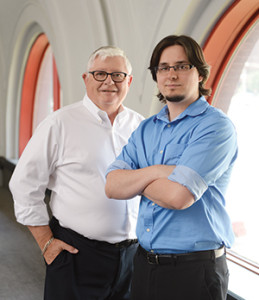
175,99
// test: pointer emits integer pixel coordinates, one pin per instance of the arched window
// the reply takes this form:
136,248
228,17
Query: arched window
232,51
242,101
40,90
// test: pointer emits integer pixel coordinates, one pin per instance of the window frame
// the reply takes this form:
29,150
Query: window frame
225,37
218,49
29,86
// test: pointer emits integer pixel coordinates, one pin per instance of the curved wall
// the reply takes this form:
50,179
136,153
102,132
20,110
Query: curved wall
75,29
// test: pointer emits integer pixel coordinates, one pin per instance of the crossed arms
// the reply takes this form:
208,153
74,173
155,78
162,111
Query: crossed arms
150,182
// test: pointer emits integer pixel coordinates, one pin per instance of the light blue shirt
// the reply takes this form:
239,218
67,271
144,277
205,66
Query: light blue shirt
202,143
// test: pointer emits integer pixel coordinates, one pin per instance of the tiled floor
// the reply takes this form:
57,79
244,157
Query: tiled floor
22,268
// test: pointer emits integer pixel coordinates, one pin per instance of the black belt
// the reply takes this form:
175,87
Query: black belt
125,243
164,259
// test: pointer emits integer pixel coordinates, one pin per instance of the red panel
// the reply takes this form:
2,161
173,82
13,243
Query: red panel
28,90
56,86
226,36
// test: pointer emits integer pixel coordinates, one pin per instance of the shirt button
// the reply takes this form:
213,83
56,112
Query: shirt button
161,151
168,125
148,229
153,204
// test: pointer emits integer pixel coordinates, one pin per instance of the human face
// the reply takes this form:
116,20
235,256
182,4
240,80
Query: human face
107,95
178,86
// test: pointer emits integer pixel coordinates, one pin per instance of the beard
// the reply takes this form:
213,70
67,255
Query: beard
175,99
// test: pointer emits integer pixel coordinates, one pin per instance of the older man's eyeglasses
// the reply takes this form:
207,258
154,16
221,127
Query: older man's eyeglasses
164,69
102,75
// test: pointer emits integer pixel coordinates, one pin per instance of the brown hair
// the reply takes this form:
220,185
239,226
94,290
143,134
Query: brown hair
194,54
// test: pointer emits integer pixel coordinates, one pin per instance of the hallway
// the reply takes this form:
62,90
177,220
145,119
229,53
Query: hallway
22,268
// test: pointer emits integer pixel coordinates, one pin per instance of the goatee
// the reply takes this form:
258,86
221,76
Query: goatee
178,98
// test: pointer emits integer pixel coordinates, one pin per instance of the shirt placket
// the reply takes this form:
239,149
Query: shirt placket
165,137
148,224
150,209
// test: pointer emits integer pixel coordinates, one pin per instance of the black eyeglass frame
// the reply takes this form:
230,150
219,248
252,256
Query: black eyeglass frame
93,73
156,69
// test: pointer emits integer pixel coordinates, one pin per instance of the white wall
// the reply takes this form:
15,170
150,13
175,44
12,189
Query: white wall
75,29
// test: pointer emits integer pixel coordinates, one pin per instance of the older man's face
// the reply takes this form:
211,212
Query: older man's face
108,95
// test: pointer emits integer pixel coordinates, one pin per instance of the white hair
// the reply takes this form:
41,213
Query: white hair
109,51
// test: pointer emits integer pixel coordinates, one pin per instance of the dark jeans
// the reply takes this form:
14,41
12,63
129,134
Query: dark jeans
192,280
99,271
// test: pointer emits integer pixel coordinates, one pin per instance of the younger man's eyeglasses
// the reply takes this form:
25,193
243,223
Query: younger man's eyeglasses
165,69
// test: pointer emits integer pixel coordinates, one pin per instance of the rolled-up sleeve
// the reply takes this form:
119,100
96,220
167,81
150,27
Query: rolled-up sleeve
190,179
30,179
211,149
208,155
118,164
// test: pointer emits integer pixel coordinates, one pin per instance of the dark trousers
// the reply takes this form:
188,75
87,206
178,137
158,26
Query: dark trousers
192,280
99,271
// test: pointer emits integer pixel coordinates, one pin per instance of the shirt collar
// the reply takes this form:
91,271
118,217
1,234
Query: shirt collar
99,114
195,109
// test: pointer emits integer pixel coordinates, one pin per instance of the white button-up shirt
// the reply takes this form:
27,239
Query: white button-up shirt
69,154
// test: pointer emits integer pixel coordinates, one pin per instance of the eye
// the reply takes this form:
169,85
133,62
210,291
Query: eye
118,75
185,67
100,73
164,68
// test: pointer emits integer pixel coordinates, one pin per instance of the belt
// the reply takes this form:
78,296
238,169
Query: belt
125,243
164,259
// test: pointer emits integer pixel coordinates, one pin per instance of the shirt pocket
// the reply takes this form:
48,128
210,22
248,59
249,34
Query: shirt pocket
173,153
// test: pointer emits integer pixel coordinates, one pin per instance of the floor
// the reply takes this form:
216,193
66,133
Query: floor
22,268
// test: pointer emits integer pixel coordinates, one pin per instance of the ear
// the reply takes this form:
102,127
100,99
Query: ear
200,78
130,80
84,75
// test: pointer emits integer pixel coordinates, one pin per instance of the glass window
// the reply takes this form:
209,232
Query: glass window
44,102
238,96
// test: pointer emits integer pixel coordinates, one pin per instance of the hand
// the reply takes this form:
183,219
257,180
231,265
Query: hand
55,248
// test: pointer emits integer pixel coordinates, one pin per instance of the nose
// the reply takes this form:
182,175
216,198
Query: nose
109,80
172,73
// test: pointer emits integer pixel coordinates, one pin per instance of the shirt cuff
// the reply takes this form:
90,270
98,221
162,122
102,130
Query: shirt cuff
118,164
190,179
32,216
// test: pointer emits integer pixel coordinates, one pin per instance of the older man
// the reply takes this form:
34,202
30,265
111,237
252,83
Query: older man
90,241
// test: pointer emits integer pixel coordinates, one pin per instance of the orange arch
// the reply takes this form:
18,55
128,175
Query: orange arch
226,36
29,88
